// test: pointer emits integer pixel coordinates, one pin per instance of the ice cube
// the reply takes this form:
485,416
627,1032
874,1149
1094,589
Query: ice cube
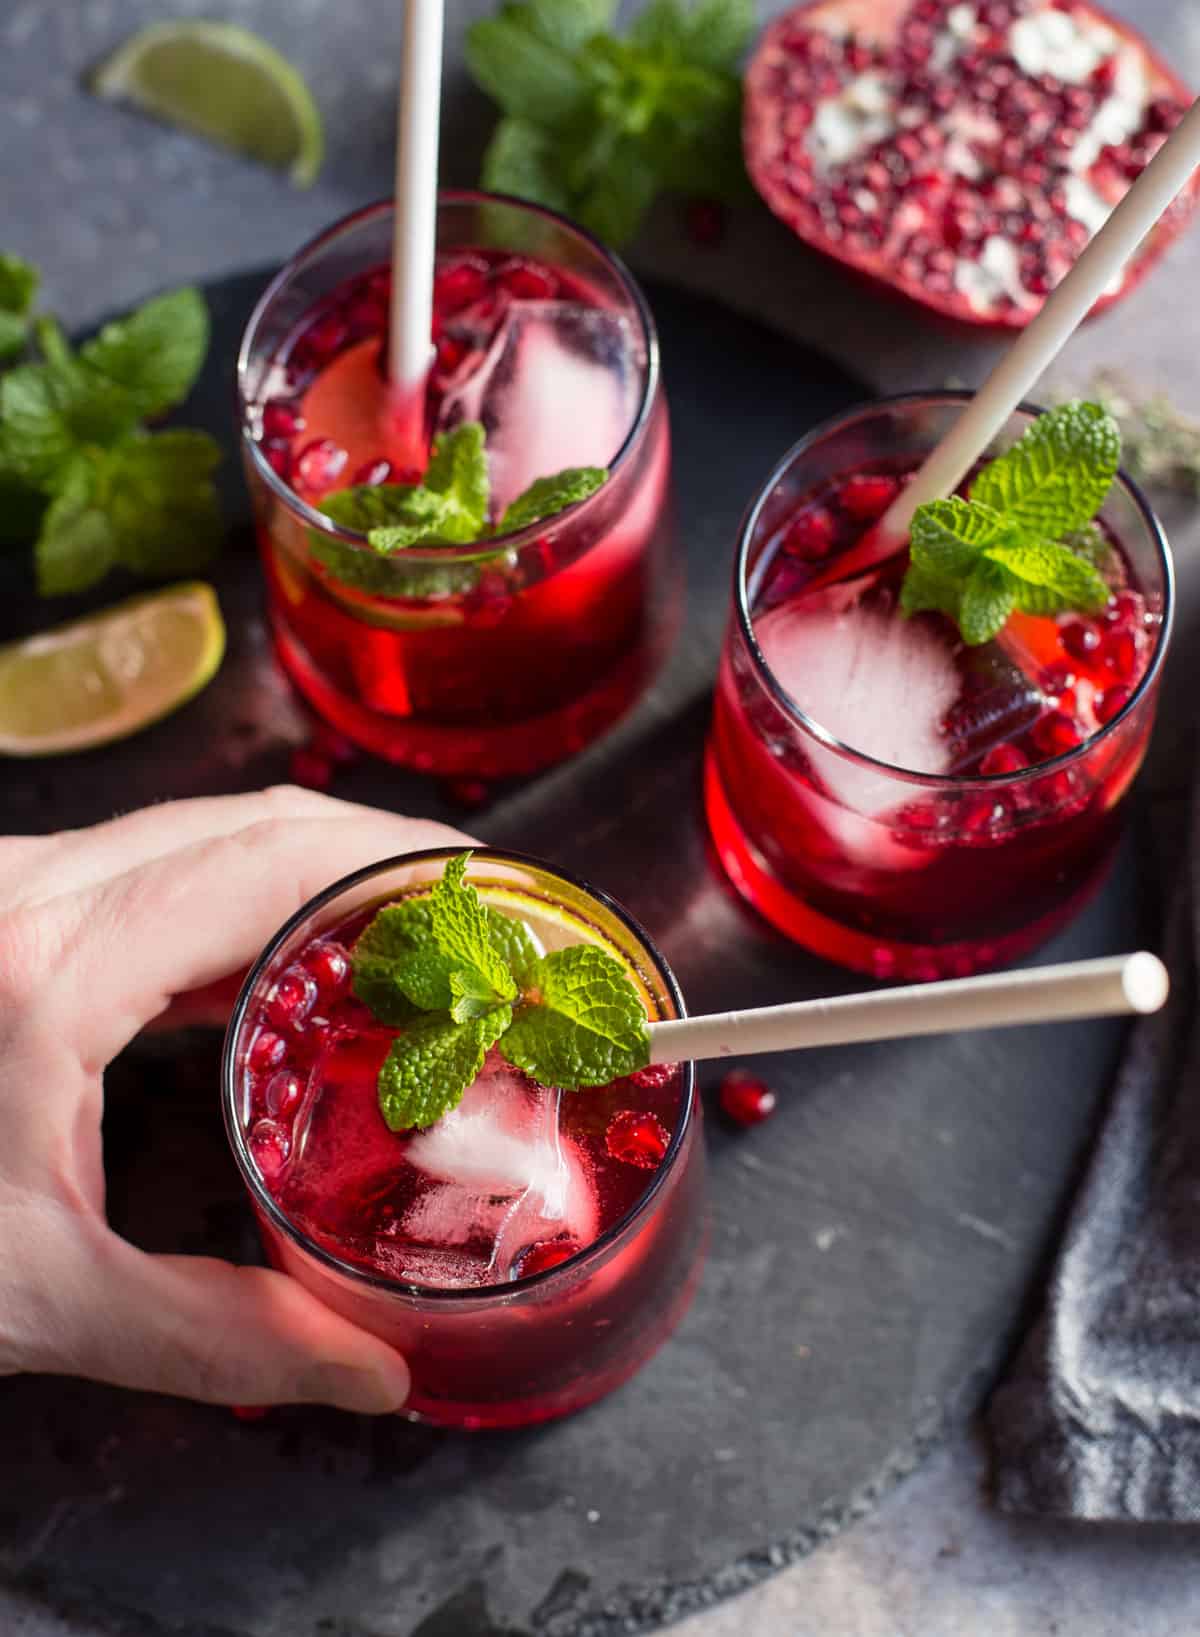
879,683
559,386
502,1174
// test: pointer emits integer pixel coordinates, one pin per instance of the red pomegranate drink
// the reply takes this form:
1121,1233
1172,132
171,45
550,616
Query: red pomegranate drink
526,1248
898,798
477,633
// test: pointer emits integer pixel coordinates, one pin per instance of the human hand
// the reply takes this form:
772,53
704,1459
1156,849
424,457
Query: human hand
100,930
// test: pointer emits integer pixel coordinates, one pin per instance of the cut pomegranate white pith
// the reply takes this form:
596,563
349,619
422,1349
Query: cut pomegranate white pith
961,152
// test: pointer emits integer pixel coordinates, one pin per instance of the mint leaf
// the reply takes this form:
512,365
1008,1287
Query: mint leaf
458,470
471,995
513,942
1054,568
528,74
424,977
947,536
588,1025
523,159
155,353
709,34
428,1068
49,410
18,286
461,928
547,495
925,591
159,496
52,343
397,932
1056,476
988,598
1092,544
76,545
568,23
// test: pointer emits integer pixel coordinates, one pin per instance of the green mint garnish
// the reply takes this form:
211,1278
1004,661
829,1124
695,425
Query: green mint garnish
596,124
79,475
458,977
1025,538
449,507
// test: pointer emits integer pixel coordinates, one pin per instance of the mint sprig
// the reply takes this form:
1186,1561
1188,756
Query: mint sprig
458,976
596,124
1025,538
80,476
450,507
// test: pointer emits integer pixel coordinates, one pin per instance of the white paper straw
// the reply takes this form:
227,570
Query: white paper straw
1109,987
1017,372
415,234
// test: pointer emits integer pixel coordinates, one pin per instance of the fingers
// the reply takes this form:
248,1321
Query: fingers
204,1329
119,951
36,868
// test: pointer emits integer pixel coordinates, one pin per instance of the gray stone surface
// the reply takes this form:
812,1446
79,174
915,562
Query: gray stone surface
114,208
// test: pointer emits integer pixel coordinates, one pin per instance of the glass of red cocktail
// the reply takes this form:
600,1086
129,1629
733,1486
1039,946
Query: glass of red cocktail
528,1251
482,659
885,795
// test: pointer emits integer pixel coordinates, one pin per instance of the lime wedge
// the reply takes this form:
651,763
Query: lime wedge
224,83
105,676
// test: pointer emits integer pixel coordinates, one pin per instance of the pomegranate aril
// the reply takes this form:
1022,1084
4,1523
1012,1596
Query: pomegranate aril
372,473
1056,733
1080,638
282,1096
811,535
323,339
310,768
281,419
637,1138
745,1099
654,1076
1111,702
526,282
320,463
267,1051
457,284
544,1255
1126,608
329,966
1003,759
1121,654
291,999
867,496
450,354
270,1146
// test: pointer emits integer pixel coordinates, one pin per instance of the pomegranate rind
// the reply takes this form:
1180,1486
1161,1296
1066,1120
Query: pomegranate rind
770,147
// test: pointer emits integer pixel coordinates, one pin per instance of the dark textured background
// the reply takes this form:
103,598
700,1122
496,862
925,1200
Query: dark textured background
116,209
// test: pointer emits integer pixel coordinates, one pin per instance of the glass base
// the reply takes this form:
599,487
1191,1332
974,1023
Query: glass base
846,946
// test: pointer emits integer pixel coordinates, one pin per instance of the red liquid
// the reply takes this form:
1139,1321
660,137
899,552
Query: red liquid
522,661
880,872
512,1185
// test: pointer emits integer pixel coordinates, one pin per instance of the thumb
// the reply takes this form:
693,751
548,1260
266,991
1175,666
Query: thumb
206,1329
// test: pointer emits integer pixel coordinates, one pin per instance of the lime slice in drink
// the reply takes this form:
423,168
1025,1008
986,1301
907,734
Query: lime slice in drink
105,676
224,83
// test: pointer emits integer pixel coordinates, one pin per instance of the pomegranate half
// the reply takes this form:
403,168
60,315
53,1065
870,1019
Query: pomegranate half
959,152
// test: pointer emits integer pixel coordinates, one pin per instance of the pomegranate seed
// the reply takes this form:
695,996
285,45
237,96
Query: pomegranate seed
1111,702
308,767
450,354
527,282
1056,732
281,419
654,1076
1080,638
1058,679
866,497
1124,609
279,458
267,1051
458,284
811,535
322,339
270,1145
978,816
744,1099
705,222
1003,759
250,1412
546,1254
372,473
291,999
329,965
283,1094
319,464
637,1138
1104,74
1121,654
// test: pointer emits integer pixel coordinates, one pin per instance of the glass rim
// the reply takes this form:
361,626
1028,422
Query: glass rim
518,539
940,781
266,1202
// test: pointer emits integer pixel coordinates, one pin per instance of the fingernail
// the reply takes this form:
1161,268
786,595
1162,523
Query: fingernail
367,1392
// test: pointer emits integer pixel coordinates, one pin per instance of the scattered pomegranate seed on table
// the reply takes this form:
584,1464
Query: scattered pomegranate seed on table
745,1099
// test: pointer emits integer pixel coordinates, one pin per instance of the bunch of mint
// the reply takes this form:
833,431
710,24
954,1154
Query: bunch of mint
80,476
1025,538
451,506
596,124
459,977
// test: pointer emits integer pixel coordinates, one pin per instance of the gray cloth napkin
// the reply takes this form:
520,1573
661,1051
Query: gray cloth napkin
1100,1414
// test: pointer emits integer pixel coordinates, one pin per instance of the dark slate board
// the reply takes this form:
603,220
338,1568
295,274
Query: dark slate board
872,1247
